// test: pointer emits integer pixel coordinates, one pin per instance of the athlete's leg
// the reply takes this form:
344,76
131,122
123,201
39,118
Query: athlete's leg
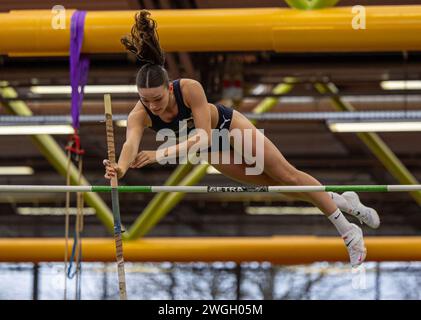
280,170
237,172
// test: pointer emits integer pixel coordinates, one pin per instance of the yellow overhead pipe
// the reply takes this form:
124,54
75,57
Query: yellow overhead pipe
278,250
388,28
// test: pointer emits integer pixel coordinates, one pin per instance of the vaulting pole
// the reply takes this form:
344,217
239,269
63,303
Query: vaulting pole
115,200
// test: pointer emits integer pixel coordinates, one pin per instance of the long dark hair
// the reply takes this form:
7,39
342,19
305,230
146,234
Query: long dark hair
144,43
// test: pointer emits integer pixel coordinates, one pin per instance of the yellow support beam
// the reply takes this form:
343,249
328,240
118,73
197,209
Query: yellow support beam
278,250
388,28
156,211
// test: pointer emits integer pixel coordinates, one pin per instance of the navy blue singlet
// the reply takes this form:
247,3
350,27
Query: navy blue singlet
185,115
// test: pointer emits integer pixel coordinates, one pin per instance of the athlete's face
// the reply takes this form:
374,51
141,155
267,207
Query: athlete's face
155,99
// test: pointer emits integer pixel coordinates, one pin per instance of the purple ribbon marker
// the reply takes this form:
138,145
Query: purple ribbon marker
79,65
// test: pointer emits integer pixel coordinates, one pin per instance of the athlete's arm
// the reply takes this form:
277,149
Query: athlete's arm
136,123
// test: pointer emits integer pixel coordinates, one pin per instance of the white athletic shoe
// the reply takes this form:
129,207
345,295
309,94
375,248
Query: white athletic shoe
355,245
365,214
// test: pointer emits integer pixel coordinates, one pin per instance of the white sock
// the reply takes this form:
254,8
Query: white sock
340,202
340,222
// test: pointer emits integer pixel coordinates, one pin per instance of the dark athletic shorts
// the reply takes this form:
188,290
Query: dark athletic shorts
224,122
